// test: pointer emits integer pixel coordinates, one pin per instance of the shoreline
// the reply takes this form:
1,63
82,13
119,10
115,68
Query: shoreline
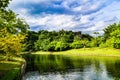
17,71
97,52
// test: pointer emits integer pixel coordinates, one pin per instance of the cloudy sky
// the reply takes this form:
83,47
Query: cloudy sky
87,16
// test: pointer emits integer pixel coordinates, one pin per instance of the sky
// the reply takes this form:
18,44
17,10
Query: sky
87,16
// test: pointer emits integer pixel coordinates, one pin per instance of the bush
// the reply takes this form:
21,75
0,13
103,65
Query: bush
108,43
76,45
42,45
60,46
116,45
52,46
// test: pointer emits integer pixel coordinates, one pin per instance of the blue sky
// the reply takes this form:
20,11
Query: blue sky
87,16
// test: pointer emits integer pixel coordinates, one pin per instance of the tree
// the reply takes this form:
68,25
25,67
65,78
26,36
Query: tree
52,45
96,34
10,43
112,36
30,40
4,3
61,45
9,20
115,35
108,30
76,45
84,42
76,42
12,30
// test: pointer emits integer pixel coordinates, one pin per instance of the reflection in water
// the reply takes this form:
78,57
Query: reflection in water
57,67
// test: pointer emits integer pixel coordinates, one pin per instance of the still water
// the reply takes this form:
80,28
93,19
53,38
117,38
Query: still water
59,67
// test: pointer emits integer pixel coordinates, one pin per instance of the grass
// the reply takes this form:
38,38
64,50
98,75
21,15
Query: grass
10,69
12,74
107,52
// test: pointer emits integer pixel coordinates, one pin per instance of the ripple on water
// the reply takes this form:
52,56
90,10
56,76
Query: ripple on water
51,76
67,76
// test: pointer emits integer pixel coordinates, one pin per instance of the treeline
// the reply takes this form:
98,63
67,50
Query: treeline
63,40
56,41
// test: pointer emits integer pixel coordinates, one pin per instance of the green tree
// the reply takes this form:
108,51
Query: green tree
52,45
76,42
112,36
12,30
30,40
9,20
61,45
84,42
108,30
4,3
76,45
115,35
96,38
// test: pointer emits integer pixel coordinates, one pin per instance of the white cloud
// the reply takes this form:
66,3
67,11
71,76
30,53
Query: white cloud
98,27
84,19
108,13
51,21
79,8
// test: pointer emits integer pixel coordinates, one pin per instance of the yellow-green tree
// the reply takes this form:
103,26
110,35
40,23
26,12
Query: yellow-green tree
12,30
10,43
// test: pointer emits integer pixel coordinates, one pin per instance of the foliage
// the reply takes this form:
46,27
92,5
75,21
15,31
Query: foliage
4,3
9,20
52,45
10,43
12,30
60,46
59,41
76,45
63,40
30,40
109,29
112,36
12,74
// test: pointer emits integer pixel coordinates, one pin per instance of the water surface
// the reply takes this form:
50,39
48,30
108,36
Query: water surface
59,67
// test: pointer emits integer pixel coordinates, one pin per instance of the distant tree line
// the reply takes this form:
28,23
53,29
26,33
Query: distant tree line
56,41
63,40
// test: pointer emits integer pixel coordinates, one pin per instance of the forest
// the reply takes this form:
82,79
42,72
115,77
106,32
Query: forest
63,40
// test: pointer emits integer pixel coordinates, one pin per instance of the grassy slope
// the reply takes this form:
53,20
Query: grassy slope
10,69
87,52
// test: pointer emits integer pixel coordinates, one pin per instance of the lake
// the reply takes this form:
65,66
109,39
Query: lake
59,67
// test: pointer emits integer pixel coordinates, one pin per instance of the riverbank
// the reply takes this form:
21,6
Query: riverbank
11,69
106,52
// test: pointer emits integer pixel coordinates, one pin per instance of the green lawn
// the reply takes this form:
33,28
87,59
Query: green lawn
107,52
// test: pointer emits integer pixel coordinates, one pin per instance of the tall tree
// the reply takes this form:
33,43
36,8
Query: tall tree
12,30
108,30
